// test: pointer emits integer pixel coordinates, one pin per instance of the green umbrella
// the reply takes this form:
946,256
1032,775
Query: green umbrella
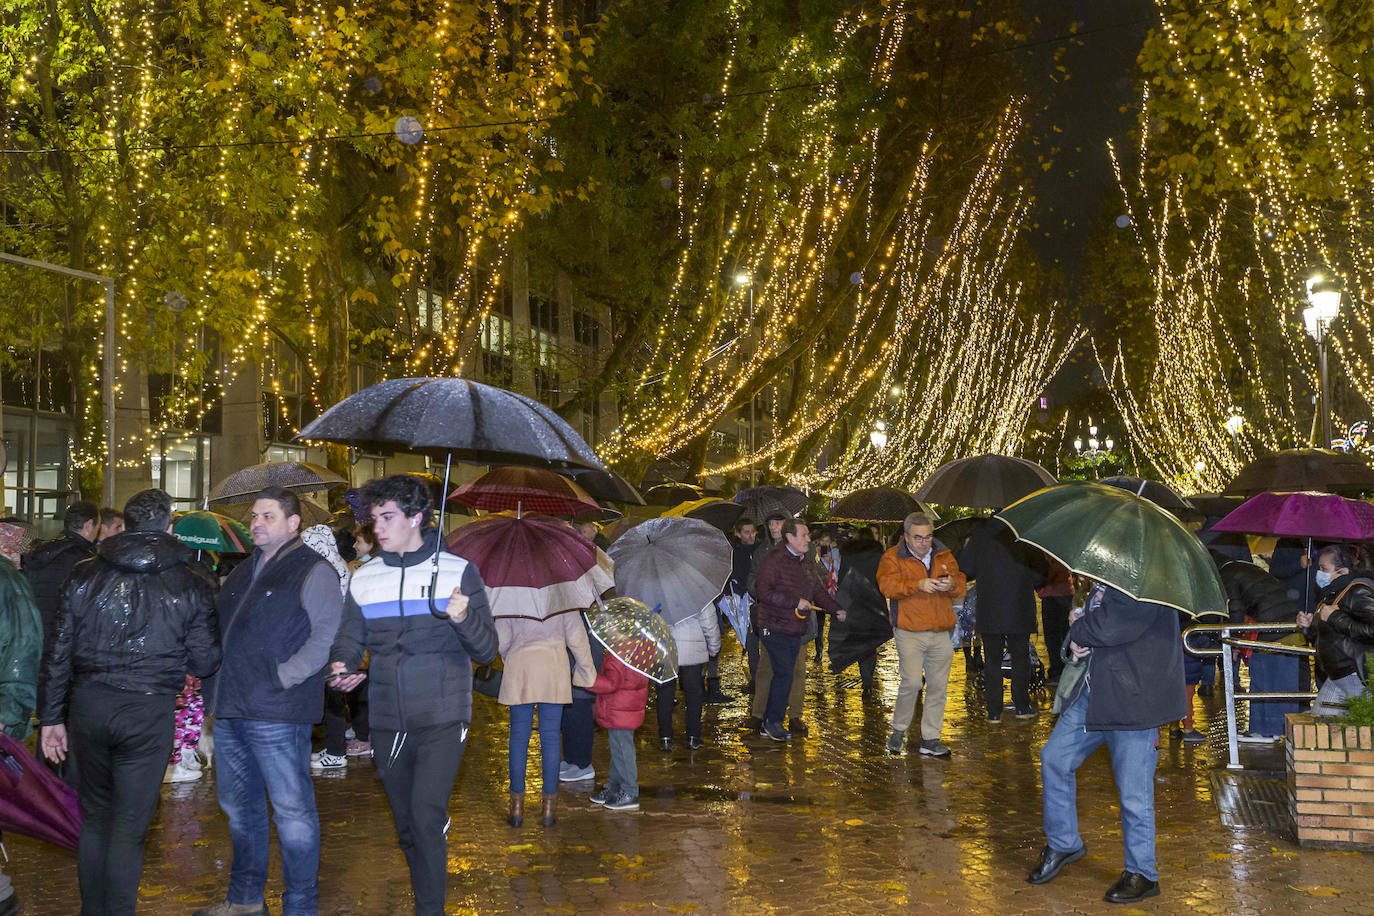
1128,542
202,530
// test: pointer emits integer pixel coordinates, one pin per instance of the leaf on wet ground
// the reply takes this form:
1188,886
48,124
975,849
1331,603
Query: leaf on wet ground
577,849
522,847
854,822
1220,856
1316,890
892,886
680,908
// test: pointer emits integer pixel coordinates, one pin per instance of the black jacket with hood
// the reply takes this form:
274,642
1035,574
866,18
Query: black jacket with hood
138,617
47,567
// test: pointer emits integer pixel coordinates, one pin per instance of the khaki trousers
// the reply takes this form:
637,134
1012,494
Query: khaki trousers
921,653
764,676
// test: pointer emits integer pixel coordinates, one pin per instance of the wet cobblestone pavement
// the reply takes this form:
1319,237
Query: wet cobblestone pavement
828,824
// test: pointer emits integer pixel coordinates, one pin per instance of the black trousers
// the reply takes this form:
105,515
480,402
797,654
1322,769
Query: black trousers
820,634
417,769
1018,644
689,676
338,706
123,741
1054,619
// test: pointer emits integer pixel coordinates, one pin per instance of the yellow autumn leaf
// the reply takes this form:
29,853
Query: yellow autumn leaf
854,822
1316,890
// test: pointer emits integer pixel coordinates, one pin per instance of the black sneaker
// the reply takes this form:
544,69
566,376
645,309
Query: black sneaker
622,802
776,732
665,744
599,798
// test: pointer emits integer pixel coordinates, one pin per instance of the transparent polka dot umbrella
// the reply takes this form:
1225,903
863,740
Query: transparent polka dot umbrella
636,635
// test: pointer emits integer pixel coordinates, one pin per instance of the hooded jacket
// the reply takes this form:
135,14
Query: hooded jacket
421,670
621,695
899,578
47,567
137,617
1135,670
21,644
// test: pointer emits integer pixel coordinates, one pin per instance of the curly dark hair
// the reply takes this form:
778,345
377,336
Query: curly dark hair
148,510
409,493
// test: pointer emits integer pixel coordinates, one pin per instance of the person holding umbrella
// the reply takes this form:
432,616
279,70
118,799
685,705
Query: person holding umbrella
133,622
421,670
1342,627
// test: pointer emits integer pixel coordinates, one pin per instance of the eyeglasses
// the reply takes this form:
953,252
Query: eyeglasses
921,537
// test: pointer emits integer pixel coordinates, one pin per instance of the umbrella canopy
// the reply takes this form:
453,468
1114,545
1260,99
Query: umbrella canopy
954,534
879,504
1303,469
453,417
984,482
672,493
604,485
296,476
533,566
793,501
312,513
34,801
678,564
1156,492
714,511
1214,505
1123,540
1321,516
205,530
634,634
615,529
527,490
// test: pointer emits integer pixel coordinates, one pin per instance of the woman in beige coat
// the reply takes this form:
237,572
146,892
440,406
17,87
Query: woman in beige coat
540,673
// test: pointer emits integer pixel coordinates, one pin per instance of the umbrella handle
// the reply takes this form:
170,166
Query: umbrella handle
434,568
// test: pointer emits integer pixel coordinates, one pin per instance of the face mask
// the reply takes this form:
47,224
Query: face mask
1324,578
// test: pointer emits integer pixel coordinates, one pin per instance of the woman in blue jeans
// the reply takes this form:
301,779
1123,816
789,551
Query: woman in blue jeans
543,659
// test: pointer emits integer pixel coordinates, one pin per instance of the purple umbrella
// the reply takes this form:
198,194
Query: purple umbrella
1305,515
33,801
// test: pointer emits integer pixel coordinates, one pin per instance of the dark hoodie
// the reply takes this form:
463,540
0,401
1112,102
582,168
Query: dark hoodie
137,617
47,567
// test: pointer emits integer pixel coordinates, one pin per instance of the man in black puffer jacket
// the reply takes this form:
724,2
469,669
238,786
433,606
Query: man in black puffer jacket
133,622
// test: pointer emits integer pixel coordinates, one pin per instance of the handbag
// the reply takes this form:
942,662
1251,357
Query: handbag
486,680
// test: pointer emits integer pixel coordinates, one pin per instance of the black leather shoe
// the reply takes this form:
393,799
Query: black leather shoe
798,727
1051,861
1132,887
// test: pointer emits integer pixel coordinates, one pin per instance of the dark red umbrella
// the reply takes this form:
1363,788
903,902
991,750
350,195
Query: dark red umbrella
527,490
33,801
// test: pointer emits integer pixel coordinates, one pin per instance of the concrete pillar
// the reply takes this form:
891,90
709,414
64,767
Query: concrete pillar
133,470
240,441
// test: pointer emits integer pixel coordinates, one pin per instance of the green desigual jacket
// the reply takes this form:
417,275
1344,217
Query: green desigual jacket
21,648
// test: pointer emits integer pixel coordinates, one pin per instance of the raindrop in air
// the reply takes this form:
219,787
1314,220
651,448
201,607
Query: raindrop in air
408,129
1123,221
856,277
706,99
372,85
665,183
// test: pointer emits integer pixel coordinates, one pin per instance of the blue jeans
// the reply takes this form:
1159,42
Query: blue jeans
255,761
782,649
624,778
1272,674
1133,764
521,726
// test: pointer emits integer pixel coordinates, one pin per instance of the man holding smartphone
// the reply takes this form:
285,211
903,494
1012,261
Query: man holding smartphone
421,673
920,578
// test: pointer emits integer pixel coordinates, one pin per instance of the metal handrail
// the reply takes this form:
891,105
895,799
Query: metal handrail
1228,643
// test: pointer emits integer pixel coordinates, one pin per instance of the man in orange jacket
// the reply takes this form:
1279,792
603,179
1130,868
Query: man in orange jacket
921,579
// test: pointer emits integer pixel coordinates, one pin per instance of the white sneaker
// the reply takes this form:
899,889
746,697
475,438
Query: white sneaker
183,771
327,761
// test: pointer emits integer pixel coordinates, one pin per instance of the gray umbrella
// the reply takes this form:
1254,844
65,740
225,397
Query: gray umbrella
984,482
296,476
679,565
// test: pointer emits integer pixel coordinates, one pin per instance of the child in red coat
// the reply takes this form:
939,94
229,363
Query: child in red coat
621,695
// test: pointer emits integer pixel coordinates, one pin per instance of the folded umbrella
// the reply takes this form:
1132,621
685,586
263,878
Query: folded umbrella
533,566
1303,470
296,476
984,482
202,529
866,625
716,512
1124,540
637,636
879,504
736,610
34,802
679,565
527,490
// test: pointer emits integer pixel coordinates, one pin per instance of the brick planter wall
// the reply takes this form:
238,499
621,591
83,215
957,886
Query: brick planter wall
1331,782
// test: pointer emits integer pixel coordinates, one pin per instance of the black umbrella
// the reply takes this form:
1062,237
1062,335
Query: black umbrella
984,482
1214,504
761,502
718,513
956,533
1156,492
866,625
1303,469
879,504
671,493
455,418
604,486
296,476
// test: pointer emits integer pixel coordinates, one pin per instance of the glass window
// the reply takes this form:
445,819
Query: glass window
181,466
38,472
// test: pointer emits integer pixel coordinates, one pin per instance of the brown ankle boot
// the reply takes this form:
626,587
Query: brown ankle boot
549,818
516,818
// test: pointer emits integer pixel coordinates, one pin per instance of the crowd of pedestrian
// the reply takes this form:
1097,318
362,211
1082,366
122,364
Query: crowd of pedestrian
128,645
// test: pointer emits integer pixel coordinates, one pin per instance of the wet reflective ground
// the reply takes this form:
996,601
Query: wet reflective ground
829,824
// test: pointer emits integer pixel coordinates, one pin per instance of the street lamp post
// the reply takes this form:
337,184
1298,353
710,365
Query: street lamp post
1096,451
1323,305
743,279
878,437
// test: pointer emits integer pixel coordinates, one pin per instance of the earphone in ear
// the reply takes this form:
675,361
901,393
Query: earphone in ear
414,522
